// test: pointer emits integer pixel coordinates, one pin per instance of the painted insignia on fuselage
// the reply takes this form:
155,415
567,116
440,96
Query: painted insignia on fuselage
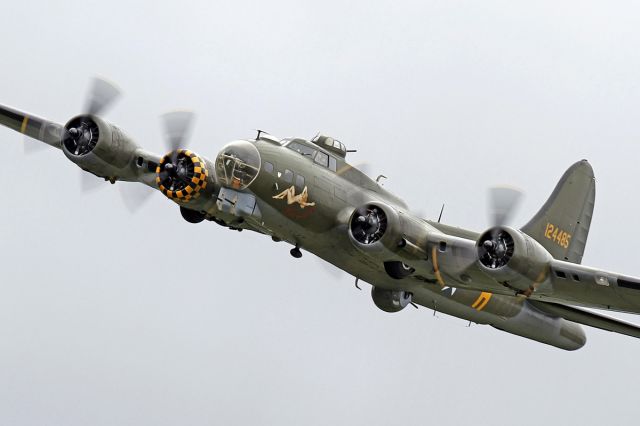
292,198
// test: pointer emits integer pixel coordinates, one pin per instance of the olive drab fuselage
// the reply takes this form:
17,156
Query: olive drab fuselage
302,192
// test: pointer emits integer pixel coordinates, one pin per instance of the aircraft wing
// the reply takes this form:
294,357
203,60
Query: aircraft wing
591,287
37,128
117,158
546,279
590,319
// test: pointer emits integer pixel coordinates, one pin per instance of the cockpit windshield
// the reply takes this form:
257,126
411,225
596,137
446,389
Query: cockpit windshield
301,148
238,165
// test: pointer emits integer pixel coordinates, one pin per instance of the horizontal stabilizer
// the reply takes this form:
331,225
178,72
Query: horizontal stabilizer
591,319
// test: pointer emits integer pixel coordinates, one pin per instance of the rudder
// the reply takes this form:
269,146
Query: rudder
562,224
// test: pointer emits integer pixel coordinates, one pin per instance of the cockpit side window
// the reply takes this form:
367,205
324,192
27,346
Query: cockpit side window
333,164
322,159
305,150
318,157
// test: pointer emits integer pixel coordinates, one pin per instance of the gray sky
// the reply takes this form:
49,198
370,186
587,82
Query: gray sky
102,324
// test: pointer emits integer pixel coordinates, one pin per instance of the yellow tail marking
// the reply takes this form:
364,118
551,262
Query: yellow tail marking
25,121
482,301
436,270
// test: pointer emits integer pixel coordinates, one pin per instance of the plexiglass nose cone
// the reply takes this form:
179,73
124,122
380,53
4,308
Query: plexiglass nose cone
238,165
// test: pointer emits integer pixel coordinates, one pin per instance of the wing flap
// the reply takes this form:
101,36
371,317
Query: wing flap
590,319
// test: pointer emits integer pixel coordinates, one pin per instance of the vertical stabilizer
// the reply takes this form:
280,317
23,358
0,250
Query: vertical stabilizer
562,224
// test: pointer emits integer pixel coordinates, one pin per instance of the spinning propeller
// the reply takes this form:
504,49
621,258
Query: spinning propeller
496,246
81,136
504,201
101,96
176,170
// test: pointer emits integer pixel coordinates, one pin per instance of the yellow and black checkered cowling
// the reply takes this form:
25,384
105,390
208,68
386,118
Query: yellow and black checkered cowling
188,187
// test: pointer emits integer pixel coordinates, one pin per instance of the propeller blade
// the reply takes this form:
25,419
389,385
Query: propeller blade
177,126
503,202
101,96
134,195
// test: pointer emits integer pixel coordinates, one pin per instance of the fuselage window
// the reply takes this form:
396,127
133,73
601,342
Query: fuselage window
305,150
287,176
268,167
333,164
299,182
322,159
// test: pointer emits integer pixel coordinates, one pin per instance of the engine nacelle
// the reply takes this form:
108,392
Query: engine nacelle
513,258
99,147
382,232
182,176
390,300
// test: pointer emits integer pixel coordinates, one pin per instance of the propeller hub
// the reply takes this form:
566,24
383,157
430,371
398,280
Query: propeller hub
370,222
170,168
495,248
181,171
81,136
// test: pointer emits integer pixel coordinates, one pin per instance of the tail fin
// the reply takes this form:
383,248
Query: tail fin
562,224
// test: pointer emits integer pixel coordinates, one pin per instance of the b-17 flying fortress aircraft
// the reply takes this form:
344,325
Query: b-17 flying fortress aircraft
527,281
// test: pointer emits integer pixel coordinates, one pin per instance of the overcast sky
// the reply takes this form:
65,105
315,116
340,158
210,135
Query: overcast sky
110,318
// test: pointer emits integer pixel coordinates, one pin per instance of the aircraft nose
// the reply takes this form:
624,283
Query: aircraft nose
238,164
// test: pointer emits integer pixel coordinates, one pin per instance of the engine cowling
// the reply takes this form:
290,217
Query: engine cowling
513,258
182,175
99,147
390,300
388,235
375,228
